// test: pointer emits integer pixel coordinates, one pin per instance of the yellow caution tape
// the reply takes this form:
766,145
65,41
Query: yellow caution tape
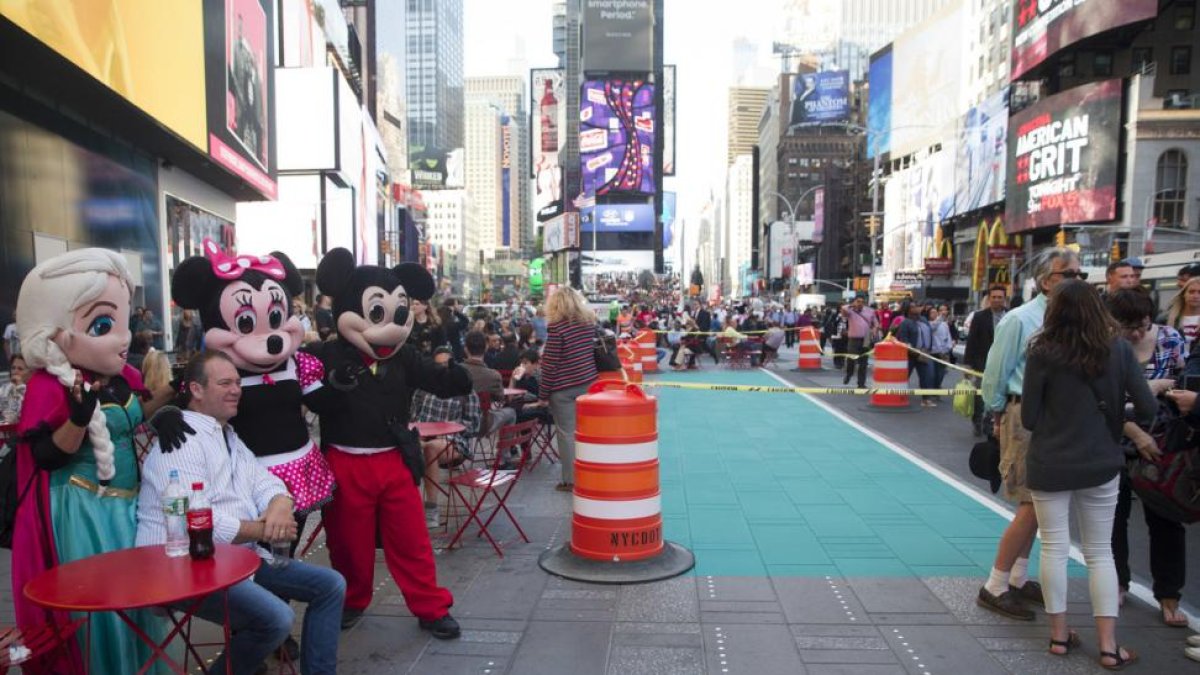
931,357
801,390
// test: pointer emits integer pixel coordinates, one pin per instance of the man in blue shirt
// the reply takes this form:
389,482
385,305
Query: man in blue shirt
1007,586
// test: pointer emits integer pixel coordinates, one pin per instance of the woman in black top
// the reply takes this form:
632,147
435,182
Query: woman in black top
426,332
1077,376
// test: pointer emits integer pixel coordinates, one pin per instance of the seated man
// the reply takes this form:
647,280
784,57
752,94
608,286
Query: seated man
772,341
429,408
492,353
484,379
249,505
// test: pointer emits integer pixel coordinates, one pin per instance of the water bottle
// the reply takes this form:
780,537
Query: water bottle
200,524
175,507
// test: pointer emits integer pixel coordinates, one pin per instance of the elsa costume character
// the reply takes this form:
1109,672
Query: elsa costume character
82,406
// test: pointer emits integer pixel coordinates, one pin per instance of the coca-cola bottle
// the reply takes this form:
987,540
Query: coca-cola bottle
200,524
549,111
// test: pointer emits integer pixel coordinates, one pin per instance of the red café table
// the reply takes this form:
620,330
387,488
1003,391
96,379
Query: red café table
138,578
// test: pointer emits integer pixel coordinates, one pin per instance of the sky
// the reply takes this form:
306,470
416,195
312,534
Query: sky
698,37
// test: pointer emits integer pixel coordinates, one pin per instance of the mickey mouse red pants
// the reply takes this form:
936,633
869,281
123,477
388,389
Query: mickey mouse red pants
377,490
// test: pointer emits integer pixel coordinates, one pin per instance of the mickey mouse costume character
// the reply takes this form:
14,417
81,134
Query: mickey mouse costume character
76,456
376,458
245,303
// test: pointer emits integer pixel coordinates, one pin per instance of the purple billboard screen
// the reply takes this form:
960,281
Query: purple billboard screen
1062,159
616,136
1042,27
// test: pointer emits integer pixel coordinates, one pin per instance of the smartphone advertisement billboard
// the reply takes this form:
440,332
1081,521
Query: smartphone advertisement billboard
548,113
879,103
980,165
1062,162
617,123
1042,27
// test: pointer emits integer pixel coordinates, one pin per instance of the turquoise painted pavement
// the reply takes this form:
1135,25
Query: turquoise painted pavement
774,485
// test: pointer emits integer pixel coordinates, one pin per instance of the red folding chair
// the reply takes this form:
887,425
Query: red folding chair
473,487
40,641
543,444
484,445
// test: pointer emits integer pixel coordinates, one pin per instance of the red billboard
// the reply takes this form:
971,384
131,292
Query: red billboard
1042,27
1062,158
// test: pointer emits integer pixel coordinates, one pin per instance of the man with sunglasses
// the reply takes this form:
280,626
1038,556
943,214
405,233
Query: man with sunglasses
1008,588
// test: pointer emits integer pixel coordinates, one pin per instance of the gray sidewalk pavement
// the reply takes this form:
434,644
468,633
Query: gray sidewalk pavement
517,619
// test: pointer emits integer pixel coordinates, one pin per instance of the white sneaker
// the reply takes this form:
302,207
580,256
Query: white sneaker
432,518
1193,640
1192,653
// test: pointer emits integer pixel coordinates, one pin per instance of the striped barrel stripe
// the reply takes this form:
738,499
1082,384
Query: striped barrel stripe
618,510
617,453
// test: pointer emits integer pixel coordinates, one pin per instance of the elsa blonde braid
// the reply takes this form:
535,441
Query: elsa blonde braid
102,445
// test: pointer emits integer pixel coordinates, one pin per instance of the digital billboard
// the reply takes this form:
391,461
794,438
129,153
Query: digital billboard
782,251
818,234
1042,27
506,150
148,51
619,218
820,98
548,113
980,165
1062,162
668,121
615,262
925,80
618,35
240,84
879,103
428,166
668,218
616,136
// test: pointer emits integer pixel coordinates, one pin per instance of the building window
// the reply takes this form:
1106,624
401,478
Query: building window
1181,60
1102,64
1185,15
1170,188
1141,57
1066,66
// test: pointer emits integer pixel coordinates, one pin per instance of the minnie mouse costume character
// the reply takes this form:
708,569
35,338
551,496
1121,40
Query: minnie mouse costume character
76,455
377,460
245,304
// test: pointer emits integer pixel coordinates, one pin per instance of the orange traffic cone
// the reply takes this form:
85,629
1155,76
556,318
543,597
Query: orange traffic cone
891,372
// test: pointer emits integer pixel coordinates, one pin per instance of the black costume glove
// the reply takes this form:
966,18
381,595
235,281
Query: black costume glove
172,430
81,411
344,377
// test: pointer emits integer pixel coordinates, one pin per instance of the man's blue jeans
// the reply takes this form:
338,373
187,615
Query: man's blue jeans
260,621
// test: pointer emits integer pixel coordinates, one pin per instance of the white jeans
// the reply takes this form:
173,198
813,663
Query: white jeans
1095,508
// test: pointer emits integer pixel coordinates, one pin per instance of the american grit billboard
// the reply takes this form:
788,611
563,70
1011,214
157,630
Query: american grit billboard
1062,161
1042,27
616,137
548,111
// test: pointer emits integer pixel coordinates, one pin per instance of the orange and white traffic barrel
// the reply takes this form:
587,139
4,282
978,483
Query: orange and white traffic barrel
631,363
891,372
616,525
618,509
646,343
810,349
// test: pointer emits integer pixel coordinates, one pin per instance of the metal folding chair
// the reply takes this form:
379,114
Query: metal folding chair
40,641
473,487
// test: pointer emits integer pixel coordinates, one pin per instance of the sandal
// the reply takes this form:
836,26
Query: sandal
1072,642
1119,661
1180,619
565,487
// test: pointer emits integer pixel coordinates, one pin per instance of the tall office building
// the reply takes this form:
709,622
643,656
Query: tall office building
745,110
843,34
508,94
739,200
434,75
483,172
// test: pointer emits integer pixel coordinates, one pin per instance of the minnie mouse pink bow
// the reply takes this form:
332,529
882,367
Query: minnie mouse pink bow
228,267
